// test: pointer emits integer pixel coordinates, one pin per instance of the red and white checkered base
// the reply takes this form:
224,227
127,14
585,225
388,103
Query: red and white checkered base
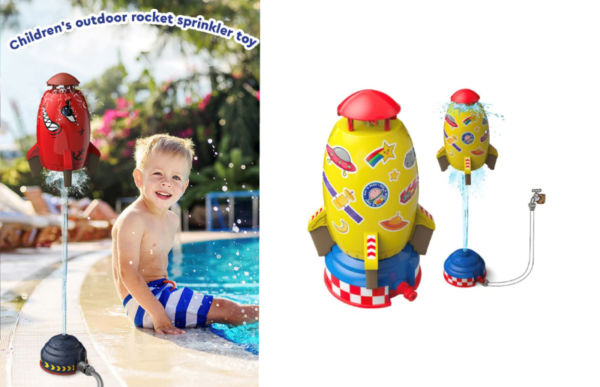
363,297
462,282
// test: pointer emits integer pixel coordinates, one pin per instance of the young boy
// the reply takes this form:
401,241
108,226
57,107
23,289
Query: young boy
143,236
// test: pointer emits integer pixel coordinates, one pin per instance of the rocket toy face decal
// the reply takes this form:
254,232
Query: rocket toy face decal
467,138
49,124
375,194
409,191
394,175
343,229
395,223
410,158
341,158
451,121
385,153
67,111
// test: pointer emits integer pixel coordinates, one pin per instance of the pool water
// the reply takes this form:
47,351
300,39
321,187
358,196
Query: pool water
226,268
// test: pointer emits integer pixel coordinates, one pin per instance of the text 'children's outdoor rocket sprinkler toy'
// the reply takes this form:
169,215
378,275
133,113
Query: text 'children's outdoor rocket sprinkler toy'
371,229
467,148
63,135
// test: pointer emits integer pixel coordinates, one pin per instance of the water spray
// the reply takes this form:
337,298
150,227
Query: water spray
63,135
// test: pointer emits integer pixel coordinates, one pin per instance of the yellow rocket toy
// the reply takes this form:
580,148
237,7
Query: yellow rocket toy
466,136
371,228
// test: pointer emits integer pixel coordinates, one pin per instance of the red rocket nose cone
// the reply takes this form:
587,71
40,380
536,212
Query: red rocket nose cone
465,96
368,105
63,79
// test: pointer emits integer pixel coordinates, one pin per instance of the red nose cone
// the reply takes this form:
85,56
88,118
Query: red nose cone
465,96
368,105
63,79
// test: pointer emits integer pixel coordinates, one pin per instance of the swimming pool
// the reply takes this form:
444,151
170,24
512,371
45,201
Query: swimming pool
227,268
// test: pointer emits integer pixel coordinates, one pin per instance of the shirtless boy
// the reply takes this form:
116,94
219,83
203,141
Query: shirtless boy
143,236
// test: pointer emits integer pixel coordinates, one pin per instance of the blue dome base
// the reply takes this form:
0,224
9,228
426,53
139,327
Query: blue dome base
392,271
465,264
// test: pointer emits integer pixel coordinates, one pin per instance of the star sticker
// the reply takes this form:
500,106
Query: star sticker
388,152
394,175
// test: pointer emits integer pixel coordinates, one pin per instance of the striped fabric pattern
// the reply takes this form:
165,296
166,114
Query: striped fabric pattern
184,307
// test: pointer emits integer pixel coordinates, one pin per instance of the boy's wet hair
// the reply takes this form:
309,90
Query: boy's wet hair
164,143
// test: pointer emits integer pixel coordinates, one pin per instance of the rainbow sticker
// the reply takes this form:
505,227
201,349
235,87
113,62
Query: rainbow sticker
467,120
385,153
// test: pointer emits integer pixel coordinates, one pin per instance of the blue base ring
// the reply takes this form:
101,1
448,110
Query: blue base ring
392,271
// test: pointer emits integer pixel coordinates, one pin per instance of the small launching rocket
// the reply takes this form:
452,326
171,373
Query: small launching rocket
63,131
466,136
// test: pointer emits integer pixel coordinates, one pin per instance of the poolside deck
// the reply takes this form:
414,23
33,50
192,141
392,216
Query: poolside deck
122,354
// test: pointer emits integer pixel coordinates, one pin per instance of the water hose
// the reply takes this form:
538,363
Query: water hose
540,199
90,371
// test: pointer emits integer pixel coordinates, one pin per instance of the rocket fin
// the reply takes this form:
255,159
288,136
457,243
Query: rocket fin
93,156
371,259
468,170
33,157
317,226
491,157
67,167
423,231
443,159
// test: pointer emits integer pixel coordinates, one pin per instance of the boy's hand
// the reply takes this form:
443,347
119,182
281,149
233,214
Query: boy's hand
162,325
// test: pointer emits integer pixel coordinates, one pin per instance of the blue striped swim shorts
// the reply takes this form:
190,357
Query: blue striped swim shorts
184,307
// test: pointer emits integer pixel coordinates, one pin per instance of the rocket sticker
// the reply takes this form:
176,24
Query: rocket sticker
409,191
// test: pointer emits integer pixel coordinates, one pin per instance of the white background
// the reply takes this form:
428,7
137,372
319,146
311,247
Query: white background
538,65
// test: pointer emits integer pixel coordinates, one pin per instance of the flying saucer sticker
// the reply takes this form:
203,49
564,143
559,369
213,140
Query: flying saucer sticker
467,138
375,194
484,121
340,157
477,152
452,141
342,201
409,191
485,136
394,175
395,223
410,158
343,229
451,121
467,120
385,153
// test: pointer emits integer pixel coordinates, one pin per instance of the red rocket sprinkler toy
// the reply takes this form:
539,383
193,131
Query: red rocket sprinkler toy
63,131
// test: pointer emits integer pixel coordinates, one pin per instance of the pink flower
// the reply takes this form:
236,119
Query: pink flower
126,152
131,143
122,103
186,133
258,95
204,102
188,99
